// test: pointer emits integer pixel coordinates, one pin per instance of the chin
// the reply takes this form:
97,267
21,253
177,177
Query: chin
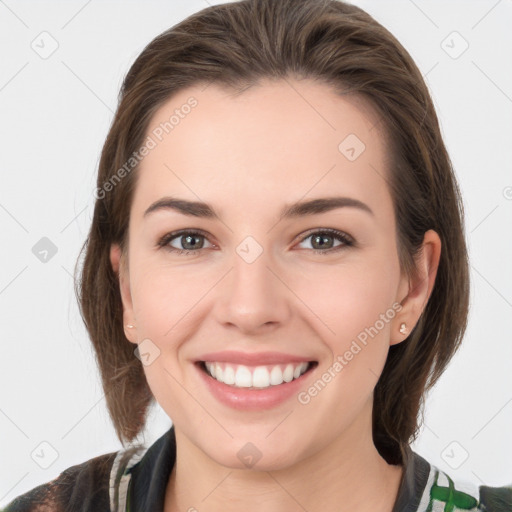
254,455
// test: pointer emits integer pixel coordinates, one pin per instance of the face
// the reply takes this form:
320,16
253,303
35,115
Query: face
269,284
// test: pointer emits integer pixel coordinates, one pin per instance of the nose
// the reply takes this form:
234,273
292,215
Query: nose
253,297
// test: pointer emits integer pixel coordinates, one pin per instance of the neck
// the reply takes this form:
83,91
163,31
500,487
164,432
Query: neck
349,474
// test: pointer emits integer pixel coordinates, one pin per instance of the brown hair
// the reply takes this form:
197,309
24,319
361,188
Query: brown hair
235,45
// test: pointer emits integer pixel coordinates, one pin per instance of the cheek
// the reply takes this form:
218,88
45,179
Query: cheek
169,304
163,301
348,298
164,295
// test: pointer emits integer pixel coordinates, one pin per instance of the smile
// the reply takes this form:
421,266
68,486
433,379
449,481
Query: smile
255,377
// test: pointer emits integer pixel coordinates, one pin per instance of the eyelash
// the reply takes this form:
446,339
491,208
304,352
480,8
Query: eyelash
343,237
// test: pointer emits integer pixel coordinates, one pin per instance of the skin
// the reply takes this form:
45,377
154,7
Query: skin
248,156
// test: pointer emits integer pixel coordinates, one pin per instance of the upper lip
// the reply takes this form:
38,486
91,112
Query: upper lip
252,358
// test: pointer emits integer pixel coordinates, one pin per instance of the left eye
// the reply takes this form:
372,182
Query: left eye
324,240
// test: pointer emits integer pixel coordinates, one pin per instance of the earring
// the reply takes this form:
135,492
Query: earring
403,328
129,326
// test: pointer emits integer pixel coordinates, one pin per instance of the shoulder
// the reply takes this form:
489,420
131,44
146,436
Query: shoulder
86,487
442,492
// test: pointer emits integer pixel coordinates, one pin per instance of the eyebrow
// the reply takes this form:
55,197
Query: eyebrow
298,209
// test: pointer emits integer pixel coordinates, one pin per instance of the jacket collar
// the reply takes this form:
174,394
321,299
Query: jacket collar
151,475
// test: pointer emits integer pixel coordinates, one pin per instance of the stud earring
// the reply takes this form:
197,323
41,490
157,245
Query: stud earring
129,326
403,328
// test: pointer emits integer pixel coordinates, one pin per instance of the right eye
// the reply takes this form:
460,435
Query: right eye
188,241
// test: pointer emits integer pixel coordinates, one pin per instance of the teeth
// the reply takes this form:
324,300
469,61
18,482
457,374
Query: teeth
288,373
276,376
229,375
243,377
255,377
260,377
219,372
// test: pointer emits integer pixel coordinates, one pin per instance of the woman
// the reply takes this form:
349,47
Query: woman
277,257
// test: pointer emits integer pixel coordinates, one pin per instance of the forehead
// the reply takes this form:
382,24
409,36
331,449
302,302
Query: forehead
276,141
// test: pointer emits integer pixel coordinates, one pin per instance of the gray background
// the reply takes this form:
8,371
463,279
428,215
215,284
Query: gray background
55,113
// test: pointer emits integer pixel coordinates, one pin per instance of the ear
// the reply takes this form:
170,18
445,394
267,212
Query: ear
117,259
414,294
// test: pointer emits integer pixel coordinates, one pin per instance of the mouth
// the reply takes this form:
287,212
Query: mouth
255,377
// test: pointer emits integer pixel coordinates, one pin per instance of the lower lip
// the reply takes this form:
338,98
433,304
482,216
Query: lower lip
245,399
